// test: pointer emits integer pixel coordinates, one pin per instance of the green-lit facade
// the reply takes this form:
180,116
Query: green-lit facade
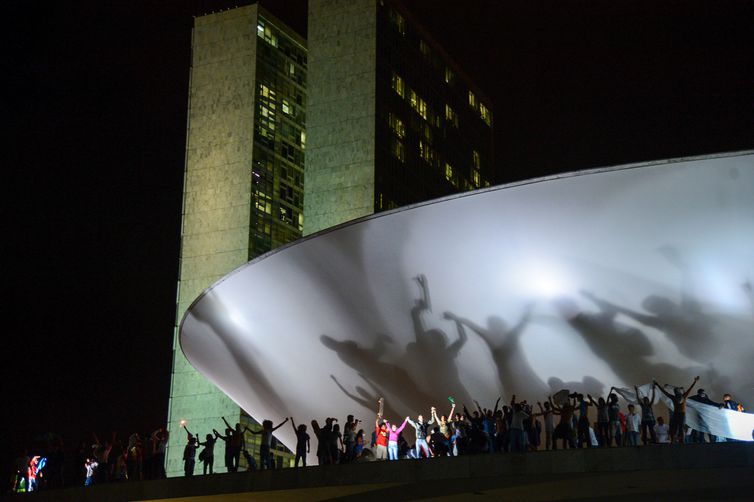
243,189
385,117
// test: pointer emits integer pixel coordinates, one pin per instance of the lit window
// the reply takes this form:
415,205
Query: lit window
448,75
475,159
398,85
472,100
449,172
426,152
397,125
476,178
398,22
485,113
450,115
303,139
265,33
396,147
267,113
286,107
418,104
266,92
422,109
424,48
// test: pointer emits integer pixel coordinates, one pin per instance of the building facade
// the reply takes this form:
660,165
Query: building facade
385,117
392,120
243,186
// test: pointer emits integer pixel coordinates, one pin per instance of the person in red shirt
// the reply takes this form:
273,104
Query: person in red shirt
381,433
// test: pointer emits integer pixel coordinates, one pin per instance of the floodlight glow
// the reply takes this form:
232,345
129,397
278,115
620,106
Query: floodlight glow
586,281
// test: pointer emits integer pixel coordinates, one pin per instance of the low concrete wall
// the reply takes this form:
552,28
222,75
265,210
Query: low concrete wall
540,465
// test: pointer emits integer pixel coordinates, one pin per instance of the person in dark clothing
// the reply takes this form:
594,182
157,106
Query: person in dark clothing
303,445
227,439
207,455
647,417
189,456
564,429
236,443
678,418
603,420
438,443
265,448
702,397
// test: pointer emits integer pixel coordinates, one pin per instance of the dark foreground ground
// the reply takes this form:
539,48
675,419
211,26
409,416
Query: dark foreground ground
723,471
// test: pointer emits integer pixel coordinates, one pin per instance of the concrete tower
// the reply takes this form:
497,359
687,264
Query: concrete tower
243,186
392,120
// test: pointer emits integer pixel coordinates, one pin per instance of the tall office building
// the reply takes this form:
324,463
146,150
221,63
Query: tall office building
391,119
243,186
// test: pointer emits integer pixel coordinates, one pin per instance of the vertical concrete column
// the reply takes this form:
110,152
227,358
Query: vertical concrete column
340,151
216,204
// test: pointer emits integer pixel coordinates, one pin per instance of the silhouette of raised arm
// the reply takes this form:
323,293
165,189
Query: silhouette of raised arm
280,424
688,391
455,347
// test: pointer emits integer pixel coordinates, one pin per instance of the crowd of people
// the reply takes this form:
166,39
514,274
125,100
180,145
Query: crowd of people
518,427
138,457
562,420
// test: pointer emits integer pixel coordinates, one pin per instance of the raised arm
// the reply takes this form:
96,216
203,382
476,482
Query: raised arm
663,390
434,414
403,426
497,406
280,424
638,398
455,347
591,400
226,423
554,406
686,394
466,322
452,409
479,330
652,401
518,328
293,424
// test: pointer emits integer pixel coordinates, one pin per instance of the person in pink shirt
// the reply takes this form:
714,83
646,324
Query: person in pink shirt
392,440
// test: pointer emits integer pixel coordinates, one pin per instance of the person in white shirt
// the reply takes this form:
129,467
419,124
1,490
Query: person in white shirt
661,431
91,467
633,422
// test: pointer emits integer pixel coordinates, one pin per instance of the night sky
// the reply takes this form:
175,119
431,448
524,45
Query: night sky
97,96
